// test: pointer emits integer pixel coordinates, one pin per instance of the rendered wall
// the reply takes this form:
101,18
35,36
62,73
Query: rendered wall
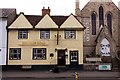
3,41
50,45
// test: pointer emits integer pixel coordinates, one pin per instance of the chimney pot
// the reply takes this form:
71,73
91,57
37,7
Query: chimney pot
45,11
43,7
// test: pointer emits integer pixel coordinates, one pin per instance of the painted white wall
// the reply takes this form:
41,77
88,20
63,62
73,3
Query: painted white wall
3,41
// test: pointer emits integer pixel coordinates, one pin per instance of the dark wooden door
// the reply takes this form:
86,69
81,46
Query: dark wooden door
61,57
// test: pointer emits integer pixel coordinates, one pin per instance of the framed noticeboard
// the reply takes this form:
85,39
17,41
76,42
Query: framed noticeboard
105,67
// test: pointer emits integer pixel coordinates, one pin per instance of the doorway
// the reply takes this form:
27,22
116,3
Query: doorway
105,47
61,57
73,58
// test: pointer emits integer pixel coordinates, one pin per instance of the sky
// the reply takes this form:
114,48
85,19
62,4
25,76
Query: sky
33,7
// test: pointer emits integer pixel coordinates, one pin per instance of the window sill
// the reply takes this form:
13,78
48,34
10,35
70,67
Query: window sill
14,59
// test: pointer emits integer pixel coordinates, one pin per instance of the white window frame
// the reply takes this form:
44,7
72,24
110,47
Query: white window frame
45,34
70,34
22,34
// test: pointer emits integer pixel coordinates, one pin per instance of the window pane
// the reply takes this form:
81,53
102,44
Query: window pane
38,51
74,56
15,53
45,34
40,54
22,34
70,35
93,23
109,22
101,16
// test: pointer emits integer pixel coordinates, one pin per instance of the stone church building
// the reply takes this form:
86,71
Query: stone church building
101,36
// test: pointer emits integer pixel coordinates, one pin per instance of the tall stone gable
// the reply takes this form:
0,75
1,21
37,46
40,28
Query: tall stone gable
108,7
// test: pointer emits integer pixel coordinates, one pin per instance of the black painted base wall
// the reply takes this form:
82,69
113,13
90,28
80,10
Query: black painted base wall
39,67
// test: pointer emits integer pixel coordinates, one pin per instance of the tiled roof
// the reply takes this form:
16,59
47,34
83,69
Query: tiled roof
4,12
34,19
59,19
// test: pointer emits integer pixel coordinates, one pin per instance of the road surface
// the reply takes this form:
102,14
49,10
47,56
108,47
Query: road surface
61,79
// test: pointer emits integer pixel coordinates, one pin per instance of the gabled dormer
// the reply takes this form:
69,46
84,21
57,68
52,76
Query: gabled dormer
21,22
72,22
46,22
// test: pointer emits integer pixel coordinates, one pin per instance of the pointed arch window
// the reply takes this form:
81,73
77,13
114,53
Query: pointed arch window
105,47
93,19
109,22
101,16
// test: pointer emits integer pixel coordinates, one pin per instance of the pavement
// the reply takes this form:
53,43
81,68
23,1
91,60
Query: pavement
66,74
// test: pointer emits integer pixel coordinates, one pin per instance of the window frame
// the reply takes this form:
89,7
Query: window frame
93,21
70,34
22,34
11,53
74,56
35,54
46,34
109,22
101,16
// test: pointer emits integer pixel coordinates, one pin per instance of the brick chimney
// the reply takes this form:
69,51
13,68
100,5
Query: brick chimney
45,11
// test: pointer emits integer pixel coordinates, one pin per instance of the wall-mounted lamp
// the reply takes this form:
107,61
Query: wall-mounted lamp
55,49
58,36
51,55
